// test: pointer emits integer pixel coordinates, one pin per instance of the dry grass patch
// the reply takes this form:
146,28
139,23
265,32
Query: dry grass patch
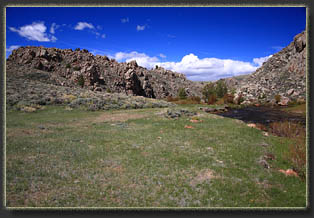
204,176
121,116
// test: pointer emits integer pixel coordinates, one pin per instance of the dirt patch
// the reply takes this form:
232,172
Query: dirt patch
119,117
203,176
18,132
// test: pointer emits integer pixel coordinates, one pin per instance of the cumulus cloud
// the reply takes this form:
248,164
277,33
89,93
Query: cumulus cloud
141,58
53,27
83,25
35,31
125,20
206,69
260,61
12,47
140,28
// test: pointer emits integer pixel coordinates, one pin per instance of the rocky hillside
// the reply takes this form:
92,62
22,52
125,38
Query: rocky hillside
30,91
64,67
283,74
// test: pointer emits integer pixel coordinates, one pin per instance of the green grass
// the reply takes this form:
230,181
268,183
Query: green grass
139,158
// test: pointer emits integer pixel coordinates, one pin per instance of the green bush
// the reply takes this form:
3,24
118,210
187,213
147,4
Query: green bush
68,66
218,89
81,81
209,89
181,93
221,89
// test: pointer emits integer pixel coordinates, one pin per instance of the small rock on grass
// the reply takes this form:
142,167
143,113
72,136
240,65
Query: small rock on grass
41,127
289,172
264,164
188,127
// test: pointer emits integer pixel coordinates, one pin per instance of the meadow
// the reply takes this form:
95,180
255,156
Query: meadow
140,158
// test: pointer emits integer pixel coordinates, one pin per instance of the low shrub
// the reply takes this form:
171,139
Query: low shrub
195,99
296,154
81,81
287,129
212,99
69,98
277,98
189,100
220,101
172,99
228,98
68,66
181,93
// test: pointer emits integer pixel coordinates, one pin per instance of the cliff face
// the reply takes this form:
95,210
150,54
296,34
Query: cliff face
283,74
65,66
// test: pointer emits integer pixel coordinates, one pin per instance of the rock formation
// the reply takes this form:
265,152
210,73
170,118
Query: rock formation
65,67
282,74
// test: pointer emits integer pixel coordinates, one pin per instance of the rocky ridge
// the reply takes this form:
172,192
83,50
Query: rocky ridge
282,74
29,92
64,67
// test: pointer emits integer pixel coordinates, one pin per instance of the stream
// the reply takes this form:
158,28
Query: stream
263,115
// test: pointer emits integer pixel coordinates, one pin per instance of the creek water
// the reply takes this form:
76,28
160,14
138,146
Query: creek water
263,115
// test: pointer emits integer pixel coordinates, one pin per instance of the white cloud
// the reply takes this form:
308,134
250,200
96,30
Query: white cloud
99,27
141,58
35,31
208,68
162,55
125,20
260,61
12,47
53,27
103,36
53,38
140,28
196,69
83,25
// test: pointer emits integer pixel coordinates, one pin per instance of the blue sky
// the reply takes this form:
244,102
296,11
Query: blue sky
205,43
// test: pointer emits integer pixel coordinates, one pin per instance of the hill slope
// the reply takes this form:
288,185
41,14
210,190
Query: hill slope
282,74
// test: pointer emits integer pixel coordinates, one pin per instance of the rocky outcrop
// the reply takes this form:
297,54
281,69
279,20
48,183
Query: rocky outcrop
282,74
65,67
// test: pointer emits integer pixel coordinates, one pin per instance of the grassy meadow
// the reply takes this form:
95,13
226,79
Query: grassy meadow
61,157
